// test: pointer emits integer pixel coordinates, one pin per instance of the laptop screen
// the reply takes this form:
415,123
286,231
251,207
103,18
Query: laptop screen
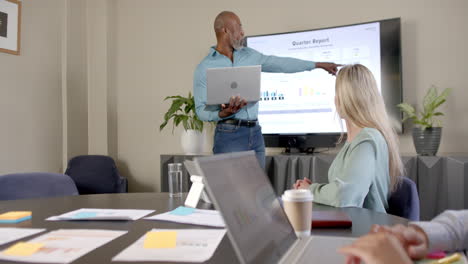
257,225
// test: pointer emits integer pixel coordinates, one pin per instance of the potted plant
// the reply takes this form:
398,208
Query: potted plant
427,133
182,111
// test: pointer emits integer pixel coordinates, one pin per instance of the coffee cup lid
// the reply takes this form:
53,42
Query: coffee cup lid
297,195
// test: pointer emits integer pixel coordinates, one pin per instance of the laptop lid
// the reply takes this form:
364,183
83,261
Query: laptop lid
222,83
257,225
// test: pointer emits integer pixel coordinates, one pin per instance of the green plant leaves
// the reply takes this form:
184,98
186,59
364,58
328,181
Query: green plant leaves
431,101
429,98
182,111
408,111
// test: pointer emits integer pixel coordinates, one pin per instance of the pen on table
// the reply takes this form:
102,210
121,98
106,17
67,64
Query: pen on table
449,259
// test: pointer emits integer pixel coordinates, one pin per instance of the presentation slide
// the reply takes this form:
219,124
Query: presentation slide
304,102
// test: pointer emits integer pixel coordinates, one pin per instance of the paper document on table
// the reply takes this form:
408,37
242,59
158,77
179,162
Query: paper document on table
60,246
192,245
187,215
101,214
8,234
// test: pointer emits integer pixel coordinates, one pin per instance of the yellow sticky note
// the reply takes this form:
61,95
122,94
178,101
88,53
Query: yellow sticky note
23,249
14,215
160,239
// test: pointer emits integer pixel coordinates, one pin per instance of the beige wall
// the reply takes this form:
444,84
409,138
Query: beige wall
159,43
97,29
30,101
54,103
85,65
76,86
116,82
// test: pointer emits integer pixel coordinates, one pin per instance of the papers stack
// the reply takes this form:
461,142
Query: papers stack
187,215
102,214
8,234
179,245
61,246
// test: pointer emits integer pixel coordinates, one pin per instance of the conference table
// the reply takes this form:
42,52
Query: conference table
161,202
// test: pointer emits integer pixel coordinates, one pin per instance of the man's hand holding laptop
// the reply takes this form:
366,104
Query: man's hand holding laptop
235,104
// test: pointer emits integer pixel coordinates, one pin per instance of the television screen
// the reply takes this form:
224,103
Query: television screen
303,103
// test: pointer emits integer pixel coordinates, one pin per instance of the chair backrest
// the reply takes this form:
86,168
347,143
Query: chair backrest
35,185
96,174
404,201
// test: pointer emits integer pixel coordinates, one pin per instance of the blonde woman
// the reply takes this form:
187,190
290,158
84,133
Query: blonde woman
366,169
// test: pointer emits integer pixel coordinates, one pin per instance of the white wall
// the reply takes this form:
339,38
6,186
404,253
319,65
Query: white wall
30,86
159,43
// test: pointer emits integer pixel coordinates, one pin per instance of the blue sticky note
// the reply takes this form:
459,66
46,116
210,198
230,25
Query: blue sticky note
85,215
181,210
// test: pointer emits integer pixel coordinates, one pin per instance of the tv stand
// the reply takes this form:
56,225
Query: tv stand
441,180
305,151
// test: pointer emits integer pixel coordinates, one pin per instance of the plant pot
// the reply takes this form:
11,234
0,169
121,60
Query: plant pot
192,141
427,141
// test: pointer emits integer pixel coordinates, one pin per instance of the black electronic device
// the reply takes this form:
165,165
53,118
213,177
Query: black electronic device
296,110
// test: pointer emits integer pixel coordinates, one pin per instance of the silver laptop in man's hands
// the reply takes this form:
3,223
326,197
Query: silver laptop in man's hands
257,225
222,83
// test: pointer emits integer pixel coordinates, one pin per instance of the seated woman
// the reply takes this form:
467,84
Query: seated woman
366,169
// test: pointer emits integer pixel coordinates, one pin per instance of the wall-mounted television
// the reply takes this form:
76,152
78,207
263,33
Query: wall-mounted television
297,110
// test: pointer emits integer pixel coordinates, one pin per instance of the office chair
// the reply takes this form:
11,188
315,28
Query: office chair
404,201
35,185
94,174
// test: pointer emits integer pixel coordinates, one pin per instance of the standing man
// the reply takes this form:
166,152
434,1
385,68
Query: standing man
238,128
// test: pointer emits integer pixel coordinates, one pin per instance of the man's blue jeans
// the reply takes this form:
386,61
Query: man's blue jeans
234,138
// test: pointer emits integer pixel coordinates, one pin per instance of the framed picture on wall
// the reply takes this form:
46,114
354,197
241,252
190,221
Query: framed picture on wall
10,26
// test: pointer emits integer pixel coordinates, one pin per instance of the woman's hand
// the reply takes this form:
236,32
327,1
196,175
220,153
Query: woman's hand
302,184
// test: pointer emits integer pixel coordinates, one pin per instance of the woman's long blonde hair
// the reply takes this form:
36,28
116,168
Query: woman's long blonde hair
358,101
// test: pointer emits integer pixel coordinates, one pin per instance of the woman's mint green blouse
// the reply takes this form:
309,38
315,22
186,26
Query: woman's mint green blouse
359,175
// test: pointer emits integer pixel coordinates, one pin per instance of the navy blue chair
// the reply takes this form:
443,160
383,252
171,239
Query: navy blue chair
404,201
96,174
35,185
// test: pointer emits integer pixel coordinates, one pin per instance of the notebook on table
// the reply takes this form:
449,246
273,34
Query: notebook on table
330,219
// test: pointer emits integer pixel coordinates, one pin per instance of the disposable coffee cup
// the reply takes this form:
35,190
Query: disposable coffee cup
298,207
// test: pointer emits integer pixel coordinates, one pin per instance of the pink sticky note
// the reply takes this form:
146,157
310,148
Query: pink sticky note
436,255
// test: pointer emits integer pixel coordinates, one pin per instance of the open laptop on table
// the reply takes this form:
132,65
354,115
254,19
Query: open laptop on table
222,83
258,227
